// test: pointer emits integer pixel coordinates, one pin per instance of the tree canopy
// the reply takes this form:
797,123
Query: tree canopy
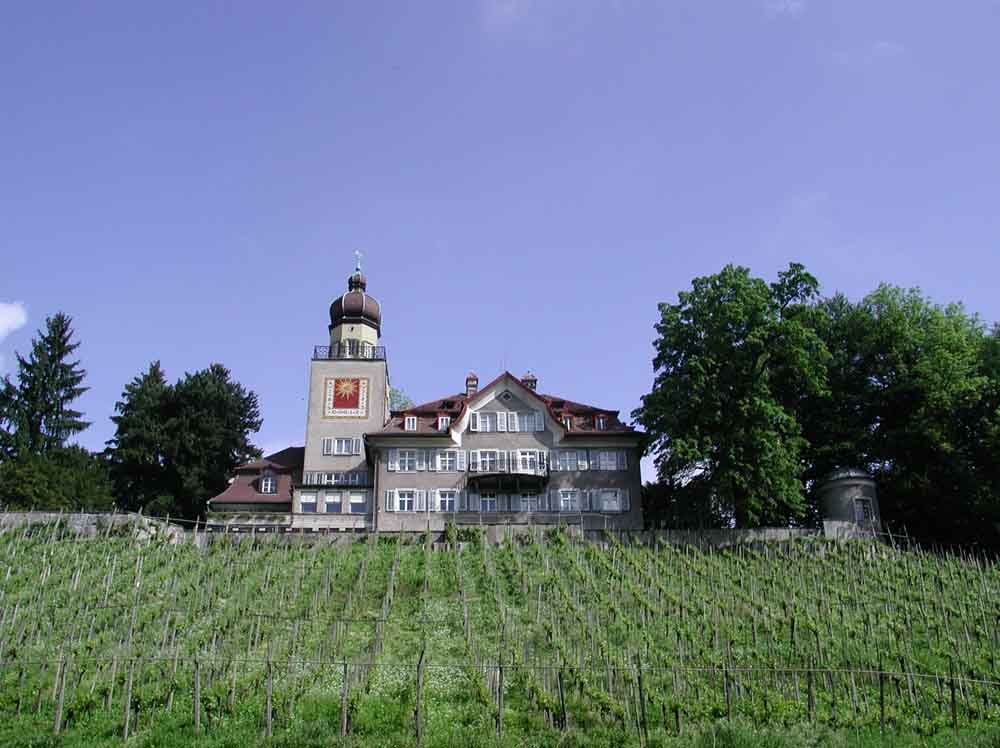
176,446
762,389
733,358
38,467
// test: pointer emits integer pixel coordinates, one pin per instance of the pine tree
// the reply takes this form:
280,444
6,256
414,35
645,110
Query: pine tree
39,408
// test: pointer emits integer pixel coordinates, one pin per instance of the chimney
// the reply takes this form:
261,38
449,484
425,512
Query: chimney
530,381
471,384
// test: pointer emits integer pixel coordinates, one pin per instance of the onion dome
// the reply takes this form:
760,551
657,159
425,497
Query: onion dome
356,306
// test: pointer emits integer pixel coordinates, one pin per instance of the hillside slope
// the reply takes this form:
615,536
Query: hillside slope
543,631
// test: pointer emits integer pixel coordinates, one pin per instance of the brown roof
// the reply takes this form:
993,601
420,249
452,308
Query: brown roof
286,466
584,416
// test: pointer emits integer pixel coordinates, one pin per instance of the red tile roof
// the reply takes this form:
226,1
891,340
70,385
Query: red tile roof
286,467
584,416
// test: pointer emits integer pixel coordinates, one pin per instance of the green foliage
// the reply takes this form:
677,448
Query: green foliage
913,399
734,356
399,400
762,390
69,478
176,446
36,414
553,607
137,451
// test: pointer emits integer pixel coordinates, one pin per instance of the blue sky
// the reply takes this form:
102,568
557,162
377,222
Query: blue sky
526,178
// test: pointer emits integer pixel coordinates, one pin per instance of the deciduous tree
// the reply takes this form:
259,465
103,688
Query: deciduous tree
734,358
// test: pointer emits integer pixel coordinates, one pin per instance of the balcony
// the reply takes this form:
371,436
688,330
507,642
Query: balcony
515,479
350,350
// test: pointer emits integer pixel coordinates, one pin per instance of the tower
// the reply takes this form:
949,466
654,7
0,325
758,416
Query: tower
348,398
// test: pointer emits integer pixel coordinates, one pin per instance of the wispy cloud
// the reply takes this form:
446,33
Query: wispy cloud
13,316
785,7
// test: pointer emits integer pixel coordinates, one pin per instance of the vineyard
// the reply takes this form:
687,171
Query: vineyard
544,640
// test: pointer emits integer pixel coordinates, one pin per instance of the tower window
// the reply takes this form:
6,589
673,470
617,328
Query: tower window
410,423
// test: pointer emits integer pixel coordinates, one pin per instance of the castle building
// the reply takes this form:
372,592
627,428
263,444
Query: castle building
500,454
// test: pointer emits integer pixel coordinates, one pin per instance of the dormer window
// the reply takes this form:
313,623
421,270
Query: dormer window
443,423
567,422
410,423
268,484
601,422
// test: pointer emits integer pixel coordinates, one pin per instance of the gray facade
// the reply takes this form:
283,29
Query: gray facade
536,490
502,456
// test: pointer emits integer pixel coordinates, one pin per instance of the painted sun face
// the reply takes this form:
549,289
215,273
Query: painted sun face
346,387
346,398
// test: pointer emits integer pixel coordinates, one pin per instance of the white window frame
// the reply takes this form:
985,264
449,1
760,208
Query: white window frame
488,496
569,500
307,499
526,421
609,505
487,422
568,460
530,502
328,499
447,495
447,461
444,422
527,460
357,497
410,423
567,422
607,459
407,460
269,485
411,499
494,461
601,423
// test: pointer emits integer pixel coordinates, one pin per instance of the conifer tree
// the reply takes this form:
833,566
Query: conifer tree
38,409
136,452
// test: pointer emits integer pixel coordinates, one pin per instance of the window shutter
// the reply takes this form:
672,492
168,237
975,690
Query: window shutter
595,459
393,463
434,497
460,461
462,499
473,460
554,464
581,459
432,459
327,446
502,421
624,500
357,446
474,505
474,422
390,500
512,422
622,459
539,421
421,459
515,502
589,500
502,461
543,501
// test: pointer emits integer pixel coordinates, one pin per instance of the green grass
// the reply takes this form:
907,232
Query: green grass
768,645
